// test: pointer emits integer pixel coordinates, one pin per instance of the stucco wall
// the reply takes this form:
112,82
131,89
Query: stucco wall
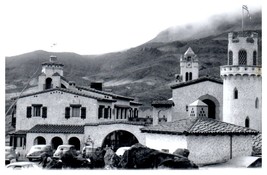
164,141
188,94
55,102
98,133
215,149
236,110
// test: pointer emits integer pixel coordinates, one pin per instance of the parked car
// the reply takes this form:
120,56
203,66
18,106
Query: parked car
87,151
38,151
22,165
11,154
61,149
121,150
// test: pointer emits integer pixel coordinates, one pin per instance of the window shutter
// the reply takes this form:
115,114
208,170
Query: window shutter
67,112
83,112
29,112
44,114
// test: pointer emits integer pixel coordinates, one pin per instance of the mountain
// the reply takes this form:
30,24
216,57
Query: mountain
215,25
144,72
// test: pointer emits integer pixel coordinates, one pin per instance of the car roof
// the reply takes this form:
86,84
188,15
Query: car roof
65,146
20,163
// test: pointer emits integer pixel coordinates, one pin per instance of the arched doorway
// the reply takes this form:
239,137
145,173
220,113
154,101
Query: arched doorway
119,138
39,141
56,141
76,142
211,108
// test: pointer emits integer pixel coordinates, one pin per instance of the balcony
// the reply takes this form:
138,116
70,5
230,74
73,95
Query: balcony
240,70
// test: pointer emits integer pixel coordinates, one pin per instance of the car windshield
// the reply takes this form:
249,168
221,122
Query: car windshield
64,147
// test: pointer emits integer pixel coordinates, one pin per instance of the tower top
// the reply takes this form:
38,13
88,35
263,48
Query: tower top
189,52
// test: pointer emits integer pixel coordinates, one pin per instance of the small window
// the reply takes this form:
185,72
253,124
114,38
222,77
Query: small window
186,76
190,75
36,111
257,103
230,58
242,57
75,111
186,107
235,93
100,111
247,122
254,58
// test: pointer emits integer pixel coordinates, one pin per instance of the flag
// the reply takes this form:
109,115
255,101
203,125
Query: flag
245,7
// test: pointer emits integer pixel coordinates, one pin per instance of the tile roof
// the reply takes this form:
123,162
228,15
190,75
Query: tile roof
69,129
162,103
257,145
201,79
198,103
19,132
117,122
198,126
105,93
67,91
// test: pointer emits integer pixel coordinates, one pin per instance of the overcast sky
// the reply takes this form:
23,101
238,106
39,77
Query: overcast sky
101,26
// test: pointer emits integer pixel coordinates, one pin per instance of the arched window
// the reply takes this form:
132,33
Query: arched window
235,93
242,57
186,76
48,83
247,122
257,103
190,76
254,58
230,58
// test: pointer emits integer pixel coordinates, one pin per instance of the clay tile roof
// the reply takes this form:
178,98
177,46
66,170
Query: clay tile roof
198,126
201,79
70,129
19,132
162,103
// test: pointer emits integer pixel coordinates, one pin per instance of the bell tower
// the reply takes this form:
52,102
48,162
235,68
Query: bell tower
188,66
242,81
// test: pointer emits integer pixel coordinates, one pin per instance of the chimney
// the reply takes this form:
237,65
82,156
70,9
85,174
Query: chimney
97,85
198,109
53,59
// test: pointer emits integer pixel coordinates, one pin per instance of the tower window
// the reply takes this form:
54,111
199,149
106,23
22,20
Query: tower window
257,103
242,57
190,75
254,58
186,76
247,122
230,55
235,93
48,83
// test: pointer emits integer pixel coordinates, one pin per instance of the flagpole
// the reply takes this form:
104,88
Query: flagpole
242,21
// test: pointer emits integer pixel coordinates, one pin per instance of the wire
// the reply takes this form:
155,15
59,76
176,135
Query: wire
22,90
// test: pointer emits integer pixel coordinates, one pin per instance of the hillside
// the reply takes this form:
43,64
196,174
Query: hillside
143,72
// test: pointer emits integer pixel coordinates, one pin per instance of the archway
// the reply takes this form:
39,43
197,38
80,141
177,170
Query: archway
119,138
76,142
48,83
39,141
55,142
213,105
211,108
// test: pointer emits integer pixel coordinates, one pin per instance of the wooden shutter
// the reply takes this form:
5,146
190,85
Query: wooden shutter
83,112
67,112
29,112
44,112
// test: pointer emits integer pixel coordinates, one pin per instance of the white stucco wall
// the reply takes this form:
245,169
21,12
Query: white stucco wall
236,110
55,101
165,141
186,95
99,132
